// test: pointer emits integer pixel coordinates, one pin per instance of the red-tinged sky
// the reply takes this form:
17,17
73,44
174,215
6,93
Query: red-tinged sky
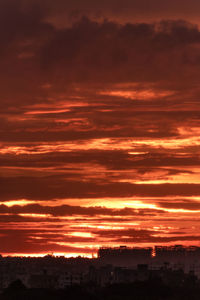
99,125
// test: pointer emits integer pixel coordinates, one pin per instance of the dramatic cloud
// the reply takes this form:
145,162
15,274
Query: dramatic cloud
99,124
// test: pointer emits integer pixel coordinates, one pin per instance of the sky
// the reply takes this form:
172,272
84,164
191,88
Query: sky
99,125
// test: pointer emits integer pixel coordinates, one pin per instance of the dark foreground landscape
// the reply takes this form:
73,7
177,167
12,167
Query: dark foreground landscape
153,289
116,274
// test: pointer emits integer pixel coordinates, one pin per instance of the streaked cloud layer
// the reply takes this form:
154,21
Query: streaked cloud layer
99,126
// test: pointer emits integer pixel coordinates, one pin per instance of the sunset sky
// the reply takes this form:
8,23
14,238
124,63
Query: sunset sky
99,125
